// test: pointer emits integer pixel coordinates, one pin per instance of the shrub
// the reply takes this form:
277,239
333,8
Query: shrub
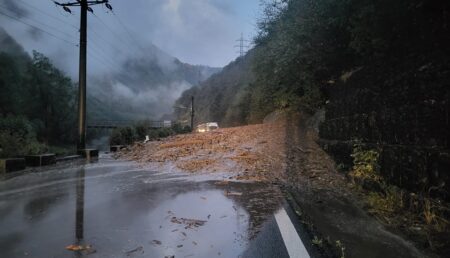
122,136
17,137
115,138
179,129
365,163
165,132
127,135
141,130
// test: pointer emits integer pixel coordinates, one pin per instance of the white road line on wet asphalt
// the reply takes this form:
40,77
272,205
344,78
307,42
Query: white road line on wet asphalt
75,178
292,241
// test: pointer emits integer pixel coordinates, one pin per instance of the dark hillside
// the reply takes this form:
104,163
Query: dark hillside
382,67
37,102
224,97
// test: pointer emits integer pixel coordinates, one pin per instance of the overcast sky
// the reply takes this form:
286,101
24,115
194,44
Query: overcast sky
195,31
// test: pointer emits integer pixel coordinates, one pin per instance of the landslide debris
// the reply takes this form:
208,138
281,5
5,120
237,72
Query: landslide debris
253,152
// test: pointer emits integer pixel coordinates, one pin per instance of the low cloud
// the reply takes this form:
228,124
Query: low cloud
13,7
148,103
126,45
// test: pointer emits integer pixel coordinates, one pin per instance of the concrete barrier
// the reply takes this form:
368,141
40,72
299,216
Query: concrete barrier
116,148
68,158
88,153
11,165
40,160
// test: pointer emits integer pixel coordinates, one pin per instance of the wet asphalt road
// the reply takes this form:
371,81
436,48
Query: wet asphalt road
121,210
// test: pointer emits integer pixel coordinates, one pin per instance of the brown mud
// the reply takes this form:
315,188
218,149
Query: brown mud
253,152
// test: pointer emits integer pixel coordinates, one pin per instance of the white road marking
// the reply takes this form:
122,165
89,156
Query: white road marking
75,178
292,241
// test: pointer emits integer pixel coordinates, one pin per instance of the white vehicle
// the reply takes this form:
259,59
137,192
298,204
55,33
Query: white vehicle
206,127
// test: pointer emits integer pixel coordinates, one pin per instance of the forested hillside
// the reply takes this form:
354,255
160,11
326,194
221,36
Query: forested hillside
37,102
379,68
224,97
305,46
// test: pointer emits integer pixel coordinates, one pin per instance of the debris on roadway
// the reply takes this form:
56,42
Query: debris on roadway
189,223
252,152
78,247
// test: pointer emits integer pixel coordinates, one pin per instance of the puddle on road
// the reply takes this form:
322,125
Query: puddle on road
134,214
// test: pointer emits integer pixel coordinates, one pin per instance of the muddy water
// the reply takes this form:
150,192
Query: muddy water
119,210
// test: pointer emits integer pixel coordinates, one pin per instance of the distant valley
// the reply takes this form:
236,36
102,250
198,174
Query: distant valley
144,88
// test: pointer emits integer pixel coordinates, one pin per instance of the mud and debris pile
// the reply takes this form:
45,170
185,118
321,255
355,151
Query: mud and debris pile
253,152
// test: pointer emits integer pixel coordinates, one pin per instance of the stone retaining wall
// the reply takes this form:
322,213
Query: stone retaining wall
404,114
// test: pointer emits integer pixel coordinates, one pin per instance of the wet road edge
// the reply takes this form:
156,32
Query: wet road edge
306,230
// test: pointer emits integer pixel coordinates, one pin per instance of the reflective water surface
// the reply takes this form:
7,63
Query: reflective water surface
120,210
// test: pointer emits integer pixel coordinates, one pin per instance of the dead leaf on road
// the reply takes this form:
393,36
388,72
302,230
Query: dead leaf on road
228,193
190,223
137,249
78,247
156,242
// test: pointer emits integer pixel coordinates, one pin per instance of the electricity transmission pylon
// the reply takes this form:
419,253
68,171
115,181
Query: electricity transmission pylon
242,45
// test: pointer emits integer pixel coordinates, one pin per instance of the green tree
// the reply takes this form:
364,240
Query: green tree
50,101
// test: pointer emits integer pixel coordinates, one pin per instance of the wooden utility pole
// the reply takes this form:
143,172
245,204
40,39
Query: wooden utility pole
82,78
84,8
192,113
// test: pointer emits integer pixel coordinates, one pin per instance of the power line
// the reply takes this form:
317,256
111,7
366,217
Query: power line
47,14
121,39
130,36
112,31
133,40
45,25
96,33
37,28
128,32
98,48
94,53
91,36
99,59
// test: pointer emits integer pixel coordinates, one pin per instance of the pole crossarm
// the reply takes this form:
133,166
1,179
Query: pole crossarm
79,3
85,4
